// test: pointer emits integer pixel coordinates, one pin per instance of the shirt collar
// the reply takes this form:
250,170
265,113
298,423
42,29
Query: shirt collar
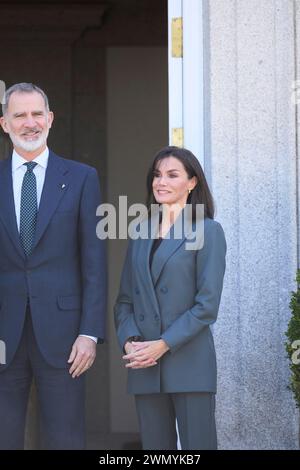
41,159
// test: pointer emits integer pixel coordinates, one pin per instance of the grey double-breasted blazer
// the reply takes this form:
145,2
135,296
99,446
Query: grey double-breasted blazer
177,299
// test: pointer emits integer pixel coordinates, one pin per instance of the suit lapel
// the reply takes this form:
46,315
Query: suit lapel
149,229
55,187
144,271
7,206
177,235
141,259
165,250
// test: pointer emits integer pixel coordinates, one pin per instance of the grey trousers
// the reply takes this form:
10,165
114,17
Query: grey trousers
195,414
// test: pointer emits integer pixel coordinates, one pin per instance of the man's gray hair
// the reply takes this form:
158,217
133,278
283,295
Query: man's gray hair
22,88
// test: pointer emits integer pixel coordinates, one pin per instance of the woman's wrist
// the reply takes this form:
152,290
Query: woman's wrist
134,338
130,340
166,347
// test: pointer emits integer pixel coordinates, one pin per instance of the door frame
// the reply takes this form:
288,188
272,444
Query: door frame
186,76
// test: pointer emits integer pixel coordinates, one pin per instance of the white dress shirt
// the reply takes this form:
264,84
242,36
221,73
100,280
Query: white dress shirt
18,172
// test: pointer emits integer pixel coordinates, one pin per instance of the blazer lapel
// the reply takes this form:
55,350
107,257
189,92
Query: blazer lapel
142,254
7,206
142,265
148,229
165,250
55,186
177,235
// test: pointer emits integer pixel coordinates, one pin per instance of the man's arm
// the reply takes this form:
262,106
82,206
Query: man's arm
93,261
93,278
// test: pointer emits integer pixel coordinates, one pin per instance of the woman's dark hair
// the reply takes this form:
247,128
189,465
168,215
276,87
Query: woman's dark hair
200,194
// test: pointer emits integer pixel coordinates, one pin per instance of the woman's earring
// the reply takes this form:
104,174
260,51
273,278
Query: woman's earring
190,191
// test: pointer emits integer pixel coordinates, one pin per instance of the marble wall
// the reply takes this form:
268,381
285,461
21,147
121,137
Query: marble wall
253,165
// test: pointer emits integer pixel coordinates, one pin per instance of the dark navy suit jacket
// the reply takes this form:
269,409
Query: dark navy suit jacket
64,278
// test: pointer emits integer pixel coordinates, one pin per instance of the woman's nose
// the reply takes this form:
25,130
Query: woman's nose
161,180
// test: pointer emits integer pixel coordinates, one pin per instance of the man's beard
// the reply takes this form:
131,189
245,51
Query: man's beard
29,146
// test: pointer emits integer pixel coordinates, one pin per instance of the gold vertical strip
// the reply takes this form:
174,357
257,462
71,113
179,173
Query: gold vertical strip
177,37
177,136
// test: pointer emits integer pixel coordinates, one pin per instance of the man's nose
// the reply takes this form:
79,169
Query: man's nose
30,121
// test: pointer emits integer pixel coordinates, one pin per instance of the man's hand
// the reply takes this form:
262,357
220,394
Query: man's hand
82,355
144,354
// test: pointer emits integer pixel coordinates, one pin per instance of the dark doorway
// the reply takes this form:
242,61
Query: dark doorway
91,59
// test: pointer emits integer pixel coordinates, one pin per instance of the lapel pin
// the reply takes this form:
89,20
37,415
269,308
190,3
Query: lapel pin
63,186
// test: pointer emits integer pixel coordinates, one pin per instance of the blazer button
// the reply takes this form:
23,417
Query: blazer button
141,317
137,291
156,317
164,290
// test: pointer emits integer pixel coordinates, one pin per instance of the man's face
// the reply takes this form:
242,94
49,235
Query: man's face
27,121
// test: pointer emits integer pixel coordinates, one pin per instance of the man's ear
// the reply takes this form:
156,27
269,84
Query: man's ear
4,124
50,118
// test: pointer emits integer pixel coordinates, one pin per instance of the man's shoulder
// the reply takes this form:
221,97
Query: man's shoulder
73,165
5,162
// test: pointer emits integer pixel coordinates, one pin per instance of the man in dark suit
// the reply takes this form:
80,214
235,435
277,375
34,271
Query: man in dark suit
52,277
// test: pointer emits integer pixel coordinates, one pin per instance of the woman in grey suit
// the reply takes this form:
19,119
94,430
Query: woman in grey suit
169,296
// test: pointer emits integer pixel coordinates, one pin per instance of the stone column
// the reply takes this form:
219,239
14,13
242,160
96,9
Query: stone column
252,162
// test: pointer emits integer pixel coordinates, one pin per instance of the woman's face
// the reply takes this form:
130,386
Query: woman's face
171,184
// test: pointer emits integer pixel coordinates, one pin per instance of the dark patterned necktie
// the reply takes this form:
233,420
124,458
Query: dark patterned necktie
28,213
